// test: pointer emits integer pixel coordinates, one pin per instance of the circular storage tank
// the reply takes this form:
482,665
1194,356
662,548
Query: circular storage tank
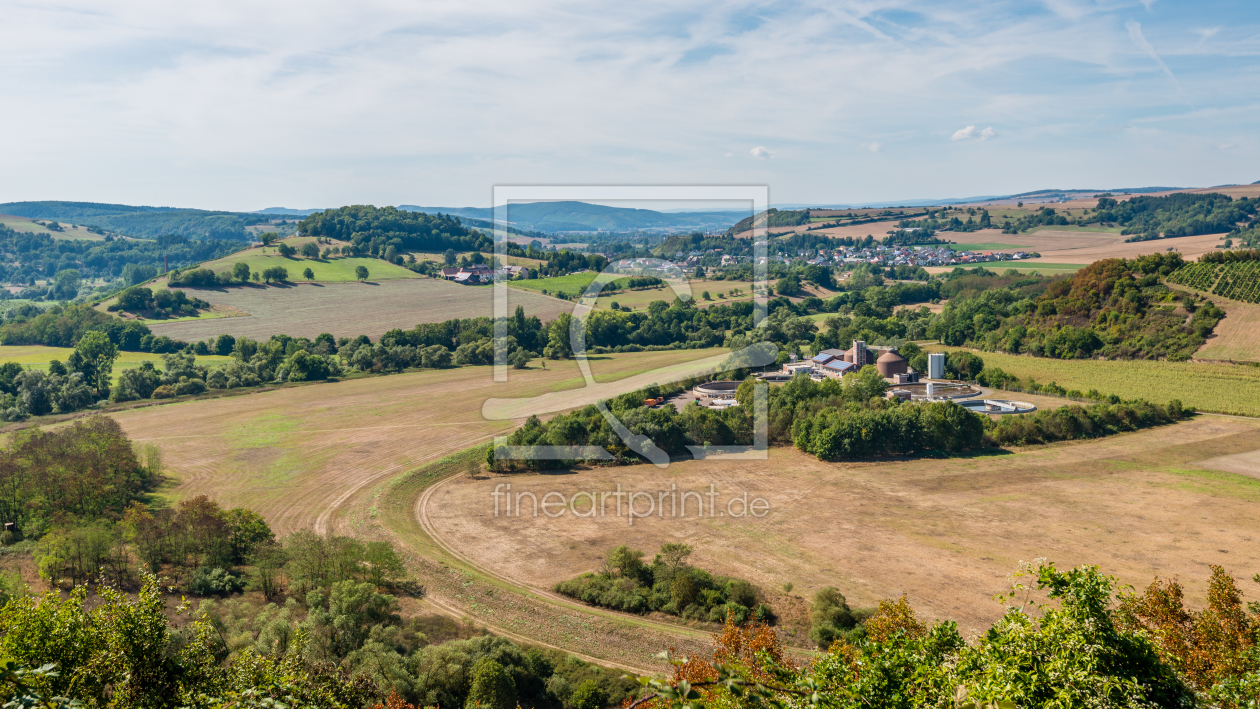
717,390
891,363
997,406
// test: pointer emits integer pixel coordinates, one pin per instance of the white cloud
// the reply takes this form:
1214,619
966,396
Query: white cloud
874,146
973,133
761,152
730,155
243,105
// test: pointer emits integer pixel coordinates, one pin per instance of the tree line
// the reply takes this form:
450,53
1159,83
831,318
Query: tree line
26,257
328,632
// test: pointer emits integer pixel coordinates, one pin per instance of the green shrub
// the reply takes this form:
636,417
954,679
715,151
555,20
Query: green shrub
215,582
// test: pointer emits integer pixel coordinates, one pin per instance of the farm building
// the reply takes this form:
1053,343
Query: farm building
469,275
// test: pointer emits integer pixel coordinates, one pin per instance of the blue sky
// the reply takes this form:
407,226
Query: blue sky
244,105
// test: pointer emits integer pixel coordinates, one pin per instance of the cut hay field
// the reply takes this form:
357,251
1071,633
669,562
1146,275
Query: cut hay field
69,232
946,533
1237,337
1222,388
38,357
292,453
333,270
509,260
573,284
349,309
985,247
326,456
1024,266
1083,246
640,299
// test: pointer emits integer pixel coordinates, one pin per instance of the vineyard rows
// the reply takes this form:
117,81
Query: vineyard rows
1238,281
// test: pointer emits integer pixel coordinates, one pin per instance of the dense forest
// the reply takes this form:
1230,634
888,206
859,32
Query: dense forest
25,257
1113,308
144,222
774,217
374,229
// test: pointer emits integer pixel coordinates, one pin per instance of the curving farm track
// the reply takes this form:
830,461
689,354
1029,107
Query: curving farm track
319,456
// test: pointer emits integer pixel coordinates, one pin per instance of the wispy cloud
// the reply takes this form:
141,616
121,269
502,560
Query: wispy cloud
762,152
248,104
1139,40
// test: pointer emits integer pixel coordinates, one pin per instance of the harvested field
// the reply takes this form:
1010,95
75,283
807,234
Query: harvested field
1081,246
67,232
349,309
1029,266
293,453
323,456
947,533
932,307
1237,337
640,299
985,247
1190,247
1222,388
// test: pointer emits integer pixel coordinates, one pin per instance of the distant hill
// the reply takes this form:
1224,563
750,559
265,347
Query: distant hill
141,221
286,212
582,216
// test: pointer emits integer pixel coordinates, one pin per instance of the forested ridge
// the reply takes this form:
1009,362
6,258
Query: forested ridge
25,256
1144,218
374,229
145,222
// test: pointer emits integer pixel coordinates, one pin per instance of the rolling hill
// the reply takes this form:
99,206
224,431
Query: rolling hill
581,216
139,221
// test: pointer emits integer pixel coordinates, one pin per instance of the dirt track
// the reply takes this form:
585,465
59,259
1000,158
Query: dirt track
320,457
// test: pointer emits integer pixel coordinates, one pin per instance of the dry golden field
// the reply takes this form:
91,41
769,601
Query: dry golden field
947,533
297,454
1080,246
1237,336
327,457
348,309
361,457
